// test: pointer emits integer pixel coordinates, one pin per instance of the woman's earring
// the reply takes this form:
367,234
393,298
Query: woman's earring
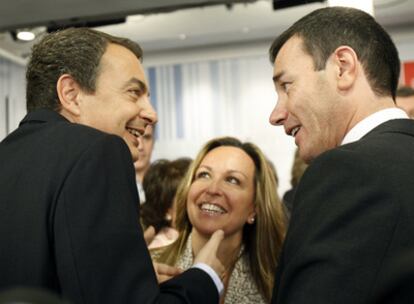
251,220
168,217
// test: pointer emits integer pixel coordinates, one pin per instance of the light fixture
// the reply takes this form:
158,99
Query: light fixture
364,5
25,35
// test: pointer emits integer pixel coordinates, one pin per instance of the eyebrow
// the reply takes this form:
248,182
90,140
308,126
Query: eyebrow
229,171
277,76
135,81
239,172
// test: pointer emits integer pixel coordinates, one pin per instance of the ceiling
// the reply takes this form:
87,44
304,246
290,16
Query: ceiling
164,24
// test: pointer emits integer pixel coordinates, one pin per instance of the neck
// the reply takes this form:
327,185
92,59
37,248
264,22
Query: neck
140,175
68,115
228,250
363,101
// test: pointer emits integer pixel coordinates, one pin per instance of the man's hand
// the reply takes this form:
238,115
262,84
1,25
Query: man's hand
208,254
165,272
149,234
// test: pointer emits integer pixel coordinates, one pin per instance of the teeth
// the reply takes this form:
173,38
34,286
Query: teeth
294,131
133,131
212,208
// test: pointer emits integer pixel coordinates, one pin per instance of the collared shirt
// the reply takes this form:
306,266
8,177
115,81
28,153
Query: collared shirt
141,193
371,122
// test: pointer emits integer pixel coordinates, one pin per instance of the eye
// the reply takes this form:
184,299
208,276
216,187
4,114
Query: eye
202,174
285,86
233,180
135,92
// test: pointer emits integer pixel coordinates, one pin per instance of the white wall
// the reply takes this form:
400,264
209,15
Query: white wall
12,87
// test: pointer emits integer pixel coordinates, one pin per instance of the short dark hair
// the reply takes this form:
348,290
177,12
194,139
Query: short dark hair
73,51
405,91
160,185
324,30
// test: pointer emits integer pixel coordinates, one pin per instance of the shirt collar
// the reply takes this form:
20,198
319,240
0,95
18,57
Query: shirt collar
371,122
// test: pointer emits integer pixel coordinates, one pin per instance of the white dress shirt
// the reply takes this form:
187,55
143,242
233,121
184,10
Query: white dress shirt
371,122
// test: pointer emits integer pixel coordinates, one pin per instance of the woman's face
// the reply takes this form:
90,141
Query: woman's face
222,193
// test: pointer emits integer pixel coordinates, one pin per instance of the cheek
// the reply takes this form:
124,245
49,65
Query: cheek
243,202
192,195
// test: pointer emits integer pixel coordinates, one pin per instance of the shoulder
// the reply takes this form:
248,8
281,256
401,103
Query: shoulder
77,138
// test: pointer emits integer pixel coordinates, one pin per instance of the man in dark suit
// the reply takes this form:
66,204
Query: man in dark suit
68,199
336,72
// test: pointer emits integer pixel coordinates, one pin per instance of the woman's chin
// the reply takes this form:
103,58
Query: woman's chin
207,231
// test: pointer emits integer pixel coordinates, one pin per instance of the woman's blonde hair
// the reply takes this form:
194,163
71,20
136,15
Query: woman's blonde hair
263,239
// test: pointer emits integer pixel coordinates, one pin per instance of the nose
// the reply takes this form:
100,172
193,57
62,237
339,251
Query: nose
278,115
214,187
147,112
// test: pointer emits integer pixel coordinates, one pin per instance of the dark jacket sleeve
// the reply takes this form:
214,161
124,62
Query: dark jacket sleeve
100,252
344,216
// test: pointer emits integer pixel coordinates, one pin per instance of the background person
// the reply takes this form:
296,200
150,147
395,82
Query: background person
298,168
230,186
160,184
145,148
405,100
336,72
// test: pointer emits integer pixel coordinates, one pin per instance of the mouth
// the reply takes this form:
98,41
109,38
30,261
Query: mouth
293,131
212,209
135,132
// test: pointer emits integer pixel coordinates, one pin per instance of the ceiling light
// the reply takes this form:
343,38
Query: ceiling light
365,5
182,36
25,35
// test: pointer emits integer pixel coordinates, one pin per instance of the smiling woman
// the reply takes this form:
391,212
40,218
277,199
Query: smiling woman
230,186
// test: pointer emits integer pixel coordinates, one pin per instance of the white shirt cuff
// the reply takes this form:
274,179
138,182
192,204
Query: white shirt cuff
213,275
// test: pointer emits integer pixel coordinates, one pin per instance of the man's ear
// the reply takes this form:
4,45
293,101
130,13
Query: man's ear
347,65
69,92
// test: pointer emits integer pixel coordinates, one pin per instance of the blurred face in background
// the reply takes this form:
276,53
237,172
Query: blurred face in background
145,147
407,104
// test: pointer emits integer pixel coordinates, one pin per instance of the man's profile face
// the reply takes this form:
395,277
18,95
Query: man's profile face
120,103
145,147
307,106
407,104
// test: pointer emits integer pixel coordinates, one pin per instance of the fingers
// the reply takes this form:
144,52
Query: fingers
209,250
165,272
162,278
215,241
149,234
165,269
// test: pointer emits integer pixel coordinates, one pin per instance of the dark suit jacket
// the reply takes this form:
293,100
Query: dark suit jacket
353,212
398,288
69,218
